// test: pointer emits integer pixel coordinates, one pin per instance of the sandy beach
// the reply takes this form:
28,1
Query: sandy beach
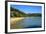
15,19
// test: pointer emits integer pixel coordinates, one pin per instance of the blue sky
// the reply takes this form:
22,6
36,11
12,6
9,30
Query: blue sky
28,9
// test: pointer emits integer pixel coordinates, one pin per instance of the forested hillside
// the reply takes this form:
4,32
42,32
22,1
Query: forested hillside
17,13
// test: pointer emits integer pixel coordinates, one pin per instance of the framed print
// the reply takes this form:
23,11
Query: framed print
23,16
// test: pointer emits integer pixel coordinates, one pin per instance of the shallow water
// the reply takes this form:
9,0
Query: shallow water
29,22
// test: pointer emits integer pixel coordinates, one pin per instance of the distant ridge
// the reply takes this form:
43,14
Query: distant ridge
18,13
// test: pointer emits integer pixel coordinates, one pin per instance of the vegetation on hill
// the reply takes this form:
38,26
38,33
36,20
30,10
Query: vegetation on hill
17,13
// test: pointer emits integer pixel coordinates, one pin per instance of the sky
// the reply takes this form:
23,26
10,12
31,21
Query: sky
28,9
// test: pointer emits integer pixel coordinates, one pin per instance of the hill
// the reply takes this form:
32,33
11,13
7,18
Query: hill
17,13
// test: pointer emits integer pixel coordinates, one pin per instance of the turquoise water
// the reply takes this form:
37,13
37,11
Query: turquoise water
29,22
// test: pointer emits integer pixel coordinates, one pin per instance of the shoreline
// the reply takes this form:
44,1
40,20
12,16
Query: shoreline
15,19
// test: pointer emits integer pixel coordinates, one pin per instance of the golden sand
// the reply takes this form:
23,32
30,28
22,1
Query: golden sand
12,20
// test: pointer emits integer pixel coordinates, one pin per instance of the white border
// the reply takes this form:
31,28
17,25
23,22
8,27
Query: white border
30,29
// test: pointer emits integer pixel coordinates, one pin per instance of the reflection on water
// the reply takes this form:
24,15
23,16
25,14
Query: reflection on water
28,22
